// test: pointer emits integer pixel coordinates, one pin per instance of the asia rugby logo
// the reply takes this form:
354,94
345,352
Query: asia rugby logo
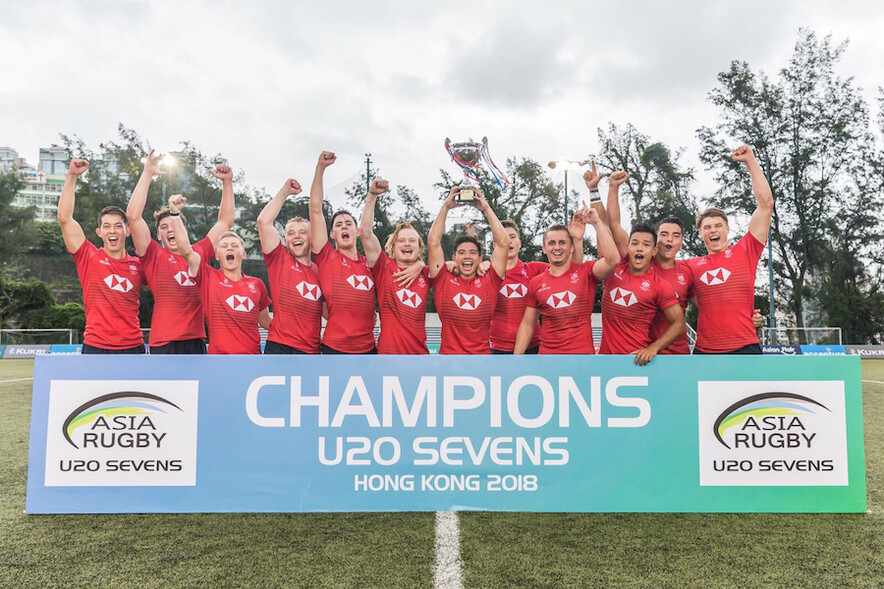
513,291
778,411
560,300
360,282
125,411
309,291
716,276
623,297
118,283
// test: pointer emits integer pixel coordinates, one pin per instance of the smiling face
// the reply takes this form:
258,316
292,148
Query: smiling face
669,241
467,257
113,230
344,231
230,252
297,238
558,247
406,246
641,251
166,235
714,231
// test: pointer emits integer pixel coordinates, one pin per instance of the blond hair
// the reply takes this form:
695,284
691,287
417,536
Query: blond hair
388,246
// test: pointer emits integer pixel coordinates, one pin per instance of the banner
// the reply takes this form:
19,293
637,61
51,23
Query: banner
824,350
396,433
867,352
25,351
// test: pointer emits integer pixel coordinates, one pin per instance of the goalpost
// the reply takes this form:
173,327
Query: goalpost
38,336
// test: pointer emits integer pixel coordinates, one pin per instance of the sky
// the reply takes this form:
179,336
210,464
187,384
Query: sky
271,84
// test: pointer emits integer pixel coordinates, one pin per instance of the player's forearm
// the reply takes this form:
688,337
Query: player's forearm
437,230
523,338
366,222
65,212
181,237
135,209
606,246
272,209
227,210
760,187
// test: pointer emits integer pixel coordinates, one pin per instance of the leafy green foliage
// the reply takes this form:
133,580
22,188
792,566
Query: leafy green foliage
67,316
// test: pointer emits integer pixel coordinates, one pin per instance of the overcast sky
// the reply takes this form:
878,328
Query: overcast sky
271,84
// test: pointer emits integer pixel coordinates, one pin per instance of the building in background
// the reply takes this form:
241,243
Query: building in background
42,183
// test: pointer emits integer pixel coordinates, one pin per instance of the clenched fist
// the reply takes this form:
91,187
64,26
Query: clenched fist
326,158
176,203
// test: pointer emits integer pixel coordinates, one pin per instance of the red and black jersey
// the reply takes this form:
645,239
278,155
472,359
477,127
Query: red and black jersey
232,309
403,310
297,301
465,308
348,288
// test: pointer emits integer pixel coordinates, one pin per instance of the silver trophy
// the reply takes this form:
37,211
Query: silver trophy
471,156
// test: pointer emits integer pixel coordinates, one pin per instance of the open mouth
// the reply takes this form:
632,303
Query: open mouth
467,266
230,257
667,247
297,243
638,257
113,240
345,235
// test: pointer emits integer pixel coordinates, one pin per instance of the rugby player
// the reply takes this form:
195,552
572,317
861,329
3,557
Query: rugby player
294,282
344,276
564,294
724,279
465,301
177,324
110,277
235,304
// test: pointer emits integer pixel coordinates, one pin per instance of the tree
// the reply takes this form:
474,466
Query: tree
813,127
17,233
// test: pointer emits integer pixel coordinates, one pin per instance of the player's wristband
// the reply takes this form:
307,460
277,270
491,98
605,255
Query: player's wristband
178,214
594,196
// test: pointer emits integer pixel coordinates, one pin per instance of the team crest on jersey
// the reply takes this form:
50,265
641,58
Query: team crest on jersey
623,297
409,298
562,299
514,291
525,271
183,278
360,282
421,282
645,285
681,278
118,283
133,269
716,276
252,288
309,291
468,302
728,253
240,303
478,282
574,277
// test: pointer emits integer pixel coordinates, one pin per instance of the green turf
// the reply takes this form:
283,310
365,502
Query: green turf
211,550
689,550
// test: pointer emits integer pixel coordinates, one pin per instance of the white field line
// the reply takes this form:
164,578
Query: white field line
16,379
874,381
448,570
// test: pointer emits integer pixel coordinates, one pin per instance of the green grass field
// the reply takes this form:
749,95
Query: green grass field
397,550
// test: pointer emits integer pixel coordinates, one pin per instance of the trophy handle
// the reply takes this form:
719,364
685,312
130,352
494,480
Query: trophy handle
499,176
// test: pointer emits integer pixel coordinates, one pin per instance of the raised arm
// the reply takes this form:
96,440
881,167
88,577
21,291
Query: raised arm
176,203
227,210
577,229
759,224
435,255
498,232
621,237
266,229
370,242
609,257
318,228
526,330
591,178
138,227
70,230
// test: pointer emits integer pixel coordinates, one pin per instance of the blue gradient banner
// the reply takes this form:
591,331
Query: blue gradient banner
392,433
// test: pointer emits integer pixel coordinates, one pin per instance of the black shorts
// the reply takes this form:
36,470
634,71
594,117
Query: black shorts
277,348
185,346
534,350
87,349
328,350
750,349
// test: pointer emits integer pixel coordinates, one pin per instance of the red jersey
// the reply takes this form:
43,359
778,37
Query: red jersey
297,301
465,308
565,304
177,311
724,288
111,296
629,304
680,279
403,310
349,293
511,306
232,310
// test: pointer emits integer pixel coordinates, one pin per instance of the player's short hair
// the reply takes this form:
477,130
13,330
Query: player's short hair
112,210
467,238
391,239
643,228
510,224
558,227
298,219
671,219
163,213
342,212
711,212
227,234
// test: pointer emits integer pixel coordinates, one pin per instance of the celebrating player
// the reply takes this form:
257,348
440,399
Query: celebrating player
465,301
110,277
235,304
401,279
177,325
564,294
344,276
294,283
724,279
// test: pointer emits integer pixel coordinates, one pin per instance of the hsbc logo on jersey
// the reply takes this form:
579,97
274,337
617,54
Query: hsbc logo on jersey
118,283
240,303
717,276
309,291
183,278
623,297
360,282
409,298
468,302
560,300
514,291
